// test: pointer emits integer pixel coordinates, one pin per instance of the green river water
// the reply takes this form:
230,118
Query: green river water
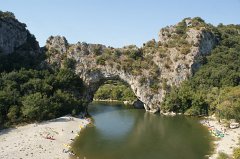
121,133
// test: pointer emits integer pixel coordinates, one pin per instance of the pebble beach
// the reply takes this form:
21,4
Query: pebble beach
225,143
46,140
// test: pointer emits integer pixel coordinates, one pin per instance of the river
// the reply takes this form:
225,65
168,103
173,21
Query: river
121,133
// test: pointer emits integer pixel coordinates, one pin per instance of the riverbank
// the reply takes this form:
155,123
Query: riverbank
224,143
127,103
50,139
107,100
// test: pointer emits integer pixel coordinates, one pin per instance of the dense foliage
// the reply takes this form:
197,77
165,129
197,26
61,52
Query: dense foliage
222,155
236,153
215,86
27,95
16,61
115,90
30,90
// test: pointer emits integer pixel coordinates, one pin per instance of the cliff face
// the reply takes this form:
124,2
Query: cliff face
14,35
182,55
150,71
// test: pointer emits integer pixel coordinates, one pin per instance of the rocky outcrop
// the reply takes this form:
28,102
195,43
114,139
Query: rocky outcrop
186,55
57,47
14,35
150,71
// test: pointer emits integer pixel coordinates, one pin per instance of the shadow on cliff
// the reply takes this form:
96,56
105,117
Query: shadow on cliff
26,56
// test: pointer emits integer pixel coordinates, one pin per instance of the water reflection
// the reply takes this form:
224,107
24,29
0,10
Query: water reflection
104,124
127,134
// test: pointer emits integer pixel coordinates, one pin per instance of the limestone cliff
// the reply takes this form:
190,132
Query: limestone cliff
14,36
150,70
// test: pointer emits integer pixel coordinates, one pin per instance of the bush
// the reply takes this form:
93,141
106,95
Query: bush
35,104
222,155
69,63
7,15
13,113
97,49
185,50
101,60
181,28
193,111
236,153
135,54
142,80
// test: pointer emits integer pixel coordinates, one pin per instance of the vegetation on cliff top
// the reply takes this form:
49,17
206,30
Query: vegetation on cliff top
6,15
215,87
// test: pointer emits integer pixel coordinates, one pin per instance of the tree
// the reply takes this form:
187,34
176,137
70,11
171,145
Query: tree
35,106
13,113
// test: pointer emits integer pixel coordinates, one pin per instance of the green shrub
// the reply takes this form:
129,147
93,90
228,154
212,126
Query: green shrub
101,60
69,63
142,80
7,15
135,54
164,84
222,155
117,53
97,49
185,50
181,28
236,153
193,111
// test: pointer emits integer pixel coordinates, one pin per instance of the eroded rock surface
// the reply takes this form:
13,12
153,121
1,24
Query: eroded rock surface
14,35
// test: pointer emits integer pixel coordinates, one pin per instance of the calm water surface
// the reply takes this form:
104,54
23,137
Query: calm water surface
121,133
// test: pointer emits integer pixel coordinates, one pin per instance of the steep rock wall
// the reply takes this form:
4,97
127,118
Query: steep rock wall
14,35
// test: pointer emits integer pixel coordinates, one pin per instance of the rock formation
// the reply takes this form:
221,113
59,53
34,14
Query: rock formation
150,70
14,36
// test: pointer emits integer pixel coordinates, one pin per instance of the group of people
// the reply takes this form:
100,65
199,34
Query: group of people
214,131
83,125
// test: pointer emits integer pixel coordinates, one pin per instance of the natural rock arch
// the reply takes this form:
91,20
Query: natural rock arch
150,70
100,77
101,80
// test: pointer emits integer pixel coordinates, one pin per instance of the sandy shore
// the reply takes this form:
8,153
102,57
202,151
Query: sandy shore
227,143
32,141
